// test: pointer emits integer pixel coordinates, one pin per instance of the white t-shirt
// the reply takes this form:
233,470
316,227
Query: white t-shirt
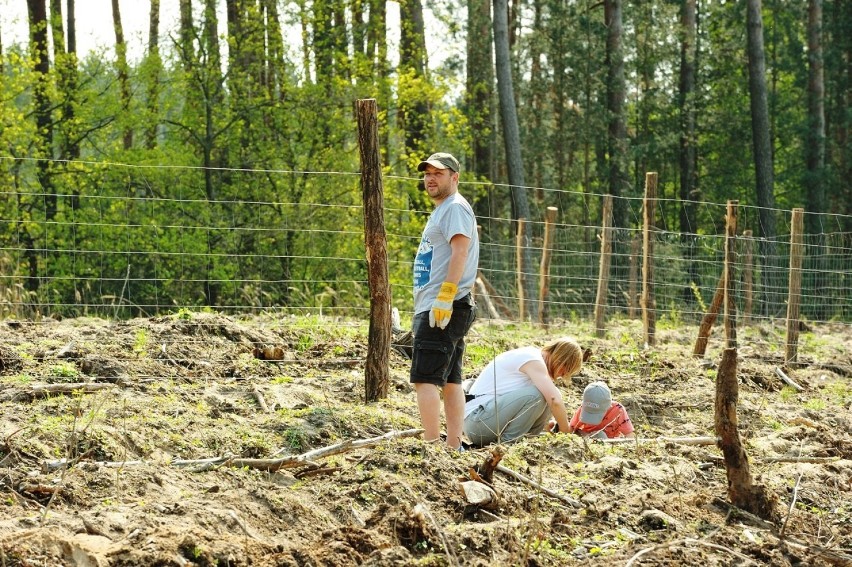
502,375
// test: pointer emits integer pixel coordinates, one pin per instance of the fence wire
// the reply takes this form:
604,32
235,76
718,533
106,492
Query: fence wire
293,241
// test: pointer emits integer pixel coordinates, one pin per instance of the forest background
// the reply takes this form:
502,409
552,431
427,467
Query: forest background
220,168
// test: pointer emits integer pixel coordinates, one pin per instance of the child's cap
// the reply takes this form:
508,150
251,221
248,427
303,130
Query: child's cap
597,400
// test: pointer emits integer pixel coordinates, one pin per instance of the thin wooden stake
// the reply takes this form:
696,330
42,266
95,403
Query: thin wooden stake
603,271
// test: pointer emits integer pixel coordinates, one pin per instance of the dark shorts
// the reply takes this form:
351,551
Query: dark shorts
438,352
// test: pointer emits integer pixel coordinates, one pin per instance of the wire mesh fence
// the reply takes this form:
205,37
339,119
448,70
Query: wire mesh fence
139,240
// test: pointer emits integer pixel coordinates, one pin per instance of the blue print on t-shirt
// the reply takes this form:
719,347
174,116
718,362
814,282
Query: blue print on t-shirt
423,264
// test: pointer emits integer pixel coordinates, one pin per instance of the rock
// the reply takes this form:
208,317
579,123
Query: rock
654,519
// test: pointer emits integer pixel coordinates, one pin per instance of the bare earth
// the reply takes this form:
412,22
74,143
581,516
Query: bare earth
100,477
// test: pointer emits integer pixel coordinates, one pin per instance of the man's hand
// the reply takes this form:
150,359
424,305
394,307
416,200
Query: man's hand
442,309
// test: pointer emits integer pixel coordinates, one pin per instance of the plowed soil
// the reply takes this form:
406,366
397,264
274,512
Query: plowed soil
203,439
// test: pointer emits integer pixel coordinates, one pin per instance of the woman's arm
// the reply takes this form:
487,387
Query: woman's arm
537,372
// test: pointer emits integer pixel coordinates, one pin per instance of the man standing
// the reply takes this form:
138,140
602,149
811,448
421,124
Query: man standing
444,273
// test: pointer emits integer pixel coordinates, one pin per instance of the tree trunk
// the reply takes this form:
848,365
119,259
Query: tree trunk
41,64
480,85
617,130
123,74
377,50
762,149
71,86
186,49
155,66
512,142
414,113
816,202
689,193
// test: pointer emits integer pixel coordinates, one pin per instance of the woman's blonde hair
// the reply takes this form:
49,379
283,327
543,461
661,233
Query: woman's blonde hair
564,352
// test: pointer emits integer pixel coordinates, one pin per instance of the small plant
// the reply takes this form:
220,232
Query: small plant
788,394
295,438
183,314
64,372
141,342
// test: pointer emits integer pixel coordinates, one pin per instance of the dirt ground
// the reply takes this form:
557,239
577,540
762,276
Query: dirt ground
202,439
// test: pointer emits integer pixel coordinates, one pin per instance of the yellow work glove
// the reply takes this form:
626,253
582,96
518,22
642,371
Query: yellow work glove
442,309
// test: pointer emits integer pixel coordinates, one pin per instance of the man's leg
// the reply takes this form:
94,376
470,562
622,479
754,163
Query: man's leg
429,404
454,409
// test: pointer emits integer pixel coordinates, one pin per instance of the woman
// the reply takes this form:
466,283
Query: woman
515,394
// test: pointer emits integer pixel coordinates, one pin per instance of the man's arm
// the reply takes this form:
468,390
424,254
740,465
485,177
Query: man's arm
458,257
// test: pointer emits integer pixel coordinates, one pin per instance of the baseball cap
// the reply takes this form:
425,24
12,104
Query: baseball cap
597,400
441,160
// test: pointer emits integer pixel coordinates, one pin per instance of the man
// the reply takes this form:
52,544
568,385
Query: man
444,273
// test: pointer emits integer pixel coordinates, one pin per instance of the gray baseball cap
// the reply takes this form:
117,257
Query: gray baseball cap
597,400
441,160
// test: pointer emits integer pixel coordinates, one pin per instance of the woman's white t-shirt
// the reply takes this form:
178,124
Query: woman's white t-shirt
502,375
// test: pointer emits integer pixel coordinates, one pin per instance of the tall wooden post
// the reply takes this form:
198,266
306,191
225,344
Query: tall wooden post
742,491
603,272
748,276
376,369
520,247
794,292
633,284
649,305
544,270
730,280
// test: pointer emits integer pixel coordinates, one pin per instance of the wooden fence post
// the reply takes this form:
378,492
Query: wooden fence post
748,276
603,272
742,491
544,270
633,284
649,315
519,263
376,369
794,291
730,282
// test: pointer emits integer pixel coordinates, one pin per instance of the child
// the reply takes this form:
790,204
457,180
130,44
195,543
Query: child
600,417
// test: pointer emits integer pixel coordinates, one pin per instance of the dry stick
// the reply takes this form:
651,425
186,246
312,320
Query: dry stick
786,379
689,542
451,556
520,240
632,301
495,297
814,460
709,318
792,503
482,294
530,482
830,555
794,286
748,276
258,395
679,440
603,267
649,303
544,267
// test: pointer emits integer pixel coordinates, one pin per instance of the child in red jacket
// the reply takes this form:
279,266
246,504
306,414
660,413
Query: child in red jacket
599,416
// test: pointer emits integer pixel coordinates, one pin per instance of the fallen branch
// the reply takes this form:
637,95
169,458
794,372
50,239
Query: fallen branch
678,440
801,460
786,379
834,557
530,482
348,445
261,401
689,543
